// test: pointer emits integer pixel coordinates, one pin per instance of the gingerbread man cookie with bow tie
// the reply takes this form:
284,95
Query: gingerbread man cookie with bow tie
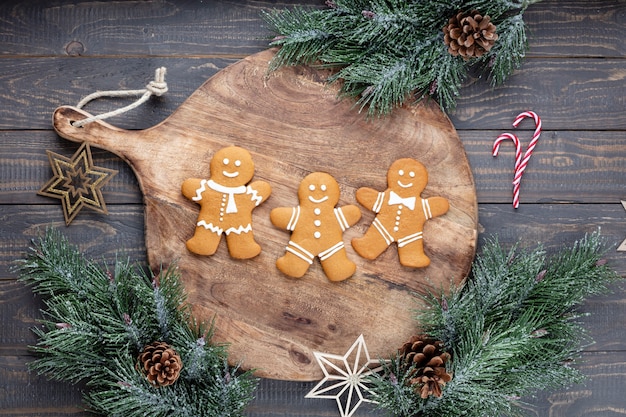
317,228
226,203
400,214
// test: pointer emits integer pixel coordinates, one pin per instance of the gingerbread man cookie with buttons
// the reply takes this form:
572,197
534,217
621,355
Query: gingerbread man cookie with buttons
226,203
316,227
400,214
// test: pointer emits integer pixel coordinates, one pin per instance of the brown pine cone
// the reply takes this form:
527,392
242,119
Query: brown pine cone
160,364
469,34
423,357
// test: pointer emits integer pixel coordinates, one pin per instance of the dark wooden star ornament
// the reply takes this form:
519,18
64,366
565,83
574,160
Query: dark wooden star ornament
77,182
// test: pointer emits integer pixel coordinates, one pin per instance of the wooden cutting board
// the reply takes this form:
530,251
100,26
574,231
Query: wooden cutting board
293,124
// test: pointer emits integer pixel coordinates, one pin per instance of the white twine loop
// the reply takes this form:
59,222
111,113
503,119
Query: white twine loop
157,87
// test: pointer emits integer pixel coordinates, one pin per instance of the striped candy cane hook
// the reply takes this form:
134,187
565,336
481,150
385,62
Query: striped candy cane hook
518,160
520,163
533,141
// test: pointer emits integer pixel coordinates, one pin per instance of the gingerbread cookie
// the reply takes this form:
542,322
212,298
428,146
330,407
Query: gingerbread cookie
401,214
317,228
226,204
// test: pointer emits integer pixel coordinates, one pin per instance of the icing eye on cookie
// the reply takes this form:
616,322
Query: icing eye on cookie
233,174
318,200
403,185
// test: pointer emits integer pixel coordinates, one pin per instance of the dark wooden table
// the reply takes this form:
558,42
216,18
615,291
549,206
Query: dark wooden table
54,53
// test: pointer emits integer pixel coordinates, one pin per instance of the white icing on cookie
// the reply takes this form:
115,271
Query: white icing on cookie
317,201
230,174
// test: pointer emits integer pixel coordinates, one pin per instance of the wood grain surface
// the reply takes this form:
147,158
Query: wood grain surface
294,124
54,53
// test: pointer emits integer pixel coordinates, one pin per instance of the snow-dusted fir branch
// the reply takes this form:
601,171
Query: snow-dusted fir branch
378,47
510,330
97,321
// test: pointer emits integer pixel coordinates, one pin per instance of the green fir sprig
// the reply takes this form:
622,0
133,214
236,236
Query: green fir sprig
512,329
96,322
388,51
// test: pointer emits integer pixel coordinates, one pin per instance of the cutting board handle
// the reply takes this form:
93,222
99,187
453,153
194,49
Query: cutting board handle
122,142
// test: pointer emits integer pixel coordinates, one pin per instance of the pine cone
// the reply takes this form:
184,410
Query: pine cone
424,359
469,34
160,364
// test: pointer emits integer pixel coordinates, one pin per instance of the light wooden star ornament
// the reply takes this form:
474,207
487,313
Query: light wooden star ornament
345,377
77,182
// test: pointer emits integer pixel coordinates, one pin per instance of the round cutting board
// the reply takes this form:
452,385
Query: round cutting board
293,124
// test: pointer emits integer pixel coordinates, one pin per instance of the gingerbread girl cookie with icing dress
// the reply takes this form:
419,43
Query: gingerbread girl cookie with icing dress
401,214
226,204
317,228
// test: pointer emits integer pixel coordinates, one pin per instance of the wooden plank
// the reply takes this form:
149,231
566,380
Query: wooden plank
554,225
98,236
181,28
20,310
31,88
602,394
276,398
604,322
567,166
25,168
555,28
570,94
26,394
578,28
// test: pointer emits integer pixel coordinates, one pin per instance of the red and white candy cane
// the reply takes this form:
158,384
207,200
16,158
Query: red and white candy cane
533,142
518,160
520,163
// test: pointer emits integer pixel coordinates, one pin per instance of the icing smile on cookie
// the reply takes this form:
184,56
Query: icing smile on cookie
316,200
233,174
323,188
230,174
411,174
